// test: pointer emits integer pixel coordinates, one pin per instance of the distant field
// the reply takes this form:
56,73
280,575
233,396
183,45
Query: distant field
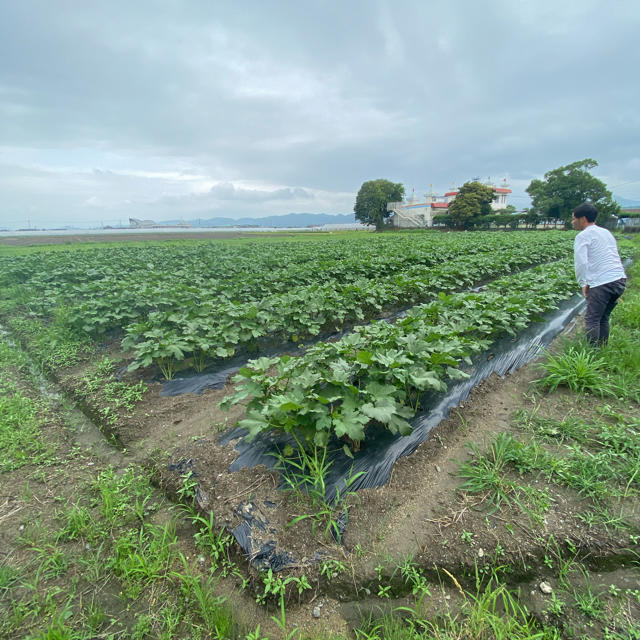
94,238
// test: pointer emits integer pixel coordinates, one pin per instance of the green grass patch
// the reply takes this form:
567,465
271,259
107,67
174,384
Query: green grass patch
580,368
600,459
20,434
54,345
492,612
144,556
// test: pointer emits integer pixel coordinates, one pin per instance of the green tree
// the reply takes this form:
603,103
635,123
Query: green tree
564,188
372,199
531,218
473,200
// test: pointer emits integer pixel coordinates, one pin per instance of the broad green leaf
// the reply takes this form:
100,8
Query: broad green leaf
380,413
254,423
427,380
399,425
457,374
349,427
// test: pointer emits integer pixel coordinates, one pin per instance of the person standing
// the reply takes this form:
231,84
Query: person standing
599,271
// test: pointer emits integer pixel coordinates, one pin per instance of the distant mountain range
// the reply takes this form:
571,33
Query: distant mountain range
624,203
287,220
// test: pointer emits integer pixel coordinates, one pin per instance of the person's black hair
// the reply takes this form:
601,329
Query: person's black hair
586,210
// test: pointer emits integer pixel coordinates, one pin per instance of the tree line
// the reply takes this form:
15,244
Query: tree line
552,200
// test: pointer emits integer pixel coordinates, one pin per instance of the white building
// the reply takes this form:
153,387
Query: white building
414,214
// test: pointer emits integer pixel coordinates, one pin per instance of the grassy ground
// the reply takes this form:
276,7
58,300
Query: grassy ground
89,549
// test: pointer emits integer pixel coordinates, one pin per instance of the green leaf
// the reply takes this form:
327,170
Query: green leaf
398,425
254,423
457,374
379,390
426,380
380,413
352,426
289,405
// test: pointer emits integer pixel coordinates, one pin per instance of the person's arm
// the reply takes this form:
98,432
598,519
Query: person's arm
580,262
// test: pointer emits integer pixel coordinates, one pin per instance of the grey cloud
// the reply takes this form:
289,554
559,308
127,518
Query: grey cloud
314,96
227,191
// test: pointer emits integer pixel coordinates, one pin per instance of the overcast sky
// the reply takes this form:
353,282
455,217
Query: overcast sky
187,109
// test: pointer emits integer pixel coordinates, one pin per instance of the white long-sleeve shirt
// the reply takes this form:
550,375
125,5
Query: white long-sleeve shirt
596,257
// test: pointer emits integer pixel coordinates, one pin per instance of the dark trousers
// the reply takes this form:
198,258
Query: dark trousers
600,303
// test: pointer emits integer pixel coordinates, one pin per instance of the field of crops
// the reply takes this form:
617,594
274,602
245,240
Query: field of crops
196,305
339,345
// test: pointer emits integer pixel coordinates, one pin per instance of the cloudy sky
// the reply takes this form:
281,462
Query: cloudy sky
187,109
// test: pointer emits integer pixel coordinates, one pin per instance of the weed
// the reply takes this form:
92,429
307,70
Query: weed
142,628
20,433
383,591
215,544
56,345
550,430
79,523
276,586
188,490
486,474
331,568
491,612
95,616
304,473
123,394
589,603
555,606
599,460
8,578
123,499
143,556
255,635
53,561
414,577
467,536
580,368
93,563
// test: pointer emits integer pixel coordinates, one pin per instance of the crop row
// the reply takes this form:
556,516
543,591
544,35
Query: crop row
110,288
337,258
379,372
216,329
